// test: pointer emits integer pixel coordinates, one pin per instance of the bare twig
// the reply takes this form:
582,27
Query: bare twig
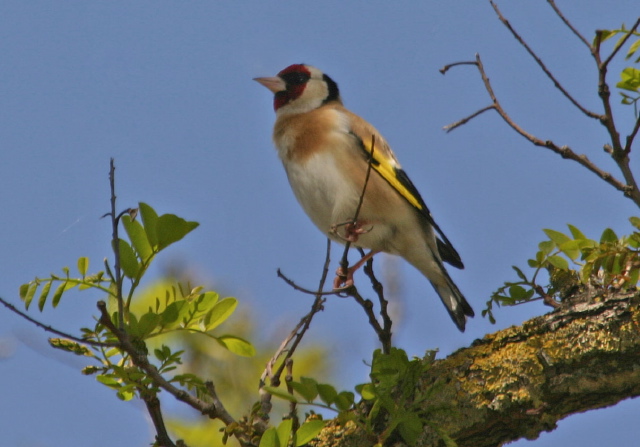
295,336
569,24
563,151
631,137
98,344
465,120
446,68
116,244
385,331
544,68
344,262
295,286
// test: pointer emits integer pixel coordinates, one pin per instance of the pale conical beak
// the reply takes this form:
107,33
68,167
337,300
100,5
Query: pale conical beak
275,83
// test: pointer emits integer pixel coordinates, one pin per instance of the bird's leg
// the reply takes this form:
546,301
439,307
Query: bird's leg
344,279
352,230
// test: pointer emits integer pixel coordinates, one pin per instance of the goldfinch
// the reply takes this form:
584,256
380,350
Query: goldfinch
326,151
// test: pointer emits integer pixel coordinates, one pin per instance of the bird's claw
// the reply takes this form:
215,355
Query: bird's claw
352,230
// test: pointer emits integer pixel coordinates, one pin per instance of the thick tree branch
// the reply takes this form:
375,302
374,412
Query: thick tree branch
519,382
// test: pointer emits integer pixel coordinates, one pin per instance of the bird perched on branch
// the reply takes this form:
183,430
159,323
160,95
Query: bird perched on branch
327,152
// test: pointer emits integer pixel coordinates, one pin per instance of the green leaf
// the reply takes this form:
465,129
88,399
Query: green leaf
174,313
220,312
327,393
410,428
344,400
284,431
630,80
576,233
546,247
559,262
150,220
63,287
171,228
556,236
308,431
518,292
148,322
270,438
203,304
109,380
237,345
126,393
571,249
368,391
43,295
70,346
83,265
128,261
280,393
608,235
307,388
635,221
138,238
632,49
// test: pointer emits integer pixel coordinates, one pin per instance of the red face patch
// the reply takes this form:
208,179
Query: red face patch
295,77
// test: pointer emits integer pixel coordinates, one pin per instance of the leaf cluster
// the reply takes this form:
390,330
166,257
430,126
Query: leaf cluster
630,76
181,309
574,262
394,406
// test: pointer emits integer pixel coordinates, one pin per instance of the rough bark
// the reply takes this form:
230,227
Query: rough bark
520,381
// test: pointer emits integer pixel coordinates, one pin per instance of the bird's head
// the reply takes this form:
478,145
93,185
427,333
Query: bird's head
300,88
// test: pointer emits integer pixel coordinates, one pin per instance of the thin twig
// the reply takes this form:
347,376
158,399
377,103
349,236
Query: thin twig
385,331
563,151
294,338
141,360
448,128
97,344
631,137
446,68
544,68
295,286
569,24
620,44
344,262
116,244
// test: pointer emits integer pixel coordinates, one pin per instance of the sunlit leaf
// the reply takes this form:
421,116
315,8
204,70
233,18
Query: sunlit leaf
220,312
556,236
308,431
559,262
83,265
280,393
138,238
150,220
307,388
57,295
576,233
128,261
171,228
237,345
44,293
327,393
270,438
284,431
608,235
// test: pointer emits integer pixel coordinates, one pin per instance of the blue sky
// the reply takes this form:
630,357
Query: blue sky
165,88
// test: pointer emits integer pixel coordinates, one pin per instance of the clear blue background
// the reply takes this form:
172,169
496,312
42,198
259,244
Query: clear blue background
166,89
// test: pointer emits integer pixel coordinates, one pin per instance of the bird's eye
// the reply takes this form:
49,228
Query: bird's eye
295,78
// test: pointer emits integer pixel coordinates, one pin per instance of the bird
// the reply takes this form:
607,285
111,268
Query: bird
328,152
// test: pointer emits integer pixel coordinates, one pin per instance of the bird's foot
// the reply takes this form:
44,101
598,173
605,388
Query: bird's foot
352,230
344,276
